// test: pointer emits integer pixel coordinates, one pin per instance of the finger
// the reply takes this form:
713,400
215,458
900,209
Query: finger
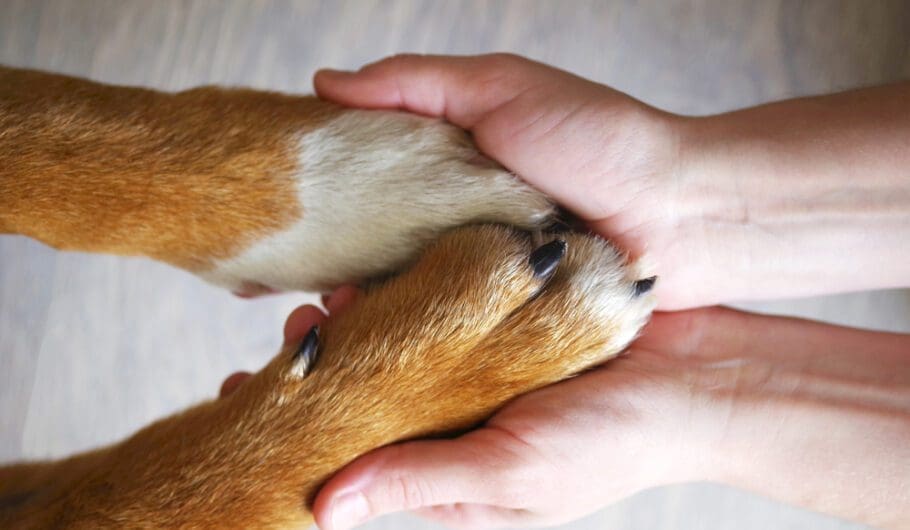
479,516
340,299
704,331
461,89
413,475
520,112
300,321
232,382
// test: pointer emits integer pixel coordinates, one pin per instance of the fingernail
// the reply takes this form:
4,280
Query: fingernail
349,510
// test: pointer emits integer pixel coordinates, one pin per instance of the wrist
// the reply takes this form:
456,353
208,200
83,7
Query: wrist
777,193
803,412
844,457
703,226
668,429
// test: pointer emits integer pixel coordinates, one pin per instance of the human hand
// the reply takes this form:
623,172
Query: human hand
780,406
549,457
608,158
753,204
552,434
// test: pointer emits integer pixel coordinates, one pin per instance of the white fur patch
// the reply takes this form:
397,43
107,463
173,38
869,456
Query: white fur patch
603,285
375,188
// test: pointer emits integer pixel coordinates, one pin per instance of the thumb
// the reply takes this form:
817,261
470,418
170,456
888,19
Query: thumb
415,475
461,89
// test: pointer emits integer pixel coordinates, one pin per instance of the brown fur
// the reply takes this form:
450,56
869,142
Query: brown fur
434,350
428,361
92,167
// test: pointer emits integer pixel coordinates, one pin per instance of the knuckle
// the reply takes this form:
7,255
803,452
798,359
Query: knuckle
386,64
406,492
504,60
402,60
403,486
518,478
396,486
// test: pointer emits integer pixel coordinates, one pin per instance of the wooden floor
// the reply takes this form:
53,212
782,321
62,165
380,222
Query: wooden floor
93,347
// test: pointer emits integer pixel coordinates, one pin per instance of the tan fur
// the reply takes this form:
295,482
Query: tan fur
86,166
434,350
197,178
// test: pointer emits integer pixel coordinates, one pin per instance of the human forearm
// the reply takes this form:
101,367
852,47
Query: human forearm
801,197
810,414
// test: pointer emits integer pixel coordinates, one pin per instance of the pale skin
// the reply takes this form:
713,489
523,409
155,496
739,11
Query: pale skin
800,197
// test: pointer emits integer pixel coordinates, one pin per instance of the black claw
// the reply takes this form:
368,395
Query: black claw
305,355
545,259
643,286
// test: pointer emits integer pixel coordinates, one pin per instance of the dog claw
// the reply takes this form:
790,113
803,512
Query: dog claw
643,286
545,259
305,355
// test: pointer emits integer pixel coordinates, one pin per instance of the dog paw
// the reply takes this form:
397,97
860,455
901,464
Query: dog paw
485,314
374,188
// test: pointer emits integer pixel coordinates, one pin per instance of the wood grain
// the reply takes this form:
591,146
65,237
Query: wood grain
93,347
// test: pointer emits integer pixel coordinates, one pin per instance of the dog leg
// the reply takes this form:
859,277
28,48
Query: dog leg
254,191
480,318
